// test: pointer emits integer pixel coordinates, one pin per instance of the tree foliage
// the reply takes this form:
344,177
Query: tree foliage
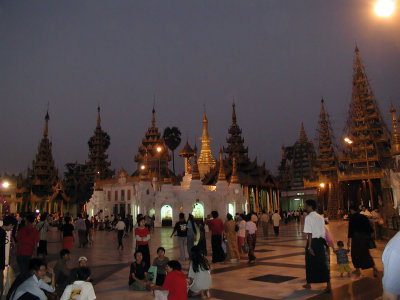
172,138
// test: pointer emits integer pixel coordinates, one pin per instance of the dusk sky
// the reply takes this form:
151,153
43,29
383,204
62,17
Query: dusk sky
277,58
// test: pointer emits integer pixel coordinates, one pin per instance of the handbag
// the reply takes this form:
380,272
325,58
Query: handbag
152,273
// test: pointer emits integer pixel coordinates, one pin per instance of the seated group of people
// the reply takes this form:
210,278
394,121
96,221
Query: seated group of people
169,276
33,285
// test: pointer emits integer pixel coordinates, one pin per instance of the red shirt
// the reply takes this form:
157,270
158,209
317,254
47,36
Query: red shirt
216,226
27,238
175,284
142,232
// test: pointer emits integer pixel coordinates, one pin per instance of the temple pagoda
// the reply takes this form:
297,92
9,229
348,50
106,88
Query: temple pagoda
153,157
187,153
298,166
43,175
366,151
98,167
206,161
260,187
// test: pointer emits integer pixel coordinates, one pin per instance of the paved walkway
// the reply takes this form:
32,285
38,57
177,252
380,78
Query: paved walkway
278,273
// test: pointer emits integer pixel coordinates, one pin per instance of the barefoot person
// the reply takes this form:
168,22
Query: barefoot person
317,270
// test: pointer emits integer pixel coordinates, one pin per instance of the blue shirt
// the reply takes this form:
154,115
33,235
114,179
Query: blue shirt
33,286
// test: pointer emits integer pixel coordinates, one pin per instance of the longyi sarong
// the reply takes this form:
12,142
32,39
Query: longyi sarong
317,270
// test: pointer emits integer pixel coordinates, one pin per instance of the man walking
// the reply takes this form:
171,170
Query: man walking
276,218
217,227
43,228
317,270
264,222
181,230
27,238
121,229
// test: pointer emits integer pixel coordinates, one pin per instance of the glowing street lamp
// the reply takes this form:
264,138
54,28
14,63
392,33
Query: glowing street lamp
385,8
159,149
5,184
322,185
348,141
142,167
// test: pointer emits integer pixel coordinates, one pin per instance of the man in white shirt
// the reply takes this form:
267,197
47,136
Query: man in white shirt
34,284
81,289
120,229
275,220
317,270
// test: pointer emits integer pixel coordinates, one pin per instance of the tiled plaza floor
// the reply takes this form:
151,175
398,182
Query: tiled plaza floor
279,271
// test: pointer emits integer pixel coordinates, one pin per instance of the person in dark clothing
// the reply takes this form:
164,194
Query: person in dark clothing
8,224
359,235
181,230
138,279
217,227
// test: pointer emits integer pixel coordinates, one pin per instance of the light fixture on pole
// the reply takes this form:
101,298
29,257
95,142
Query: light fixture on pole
385,8
159,150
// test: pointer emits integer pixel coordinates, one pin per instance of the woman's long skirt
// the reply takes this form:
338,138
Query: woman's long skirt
360,251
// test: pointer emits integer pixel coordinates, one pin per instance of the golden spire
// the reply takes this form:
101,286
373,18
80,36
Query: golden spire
395,149
234,176
323,116
303,136
206,160
195,170
46,124
221,172
98,117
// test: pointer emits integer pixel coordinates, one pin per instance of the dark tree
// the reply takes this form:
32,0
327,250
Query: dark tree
172,138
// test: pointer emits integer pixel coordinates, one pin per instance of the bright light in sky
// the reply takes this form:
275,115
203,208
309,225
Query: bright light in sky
385,8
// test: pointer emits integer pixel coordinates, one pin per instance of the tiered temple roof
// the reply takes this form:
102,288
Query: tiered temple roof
370,147
326,163
43,175
98,166
248,172
302,159
395,149
156,163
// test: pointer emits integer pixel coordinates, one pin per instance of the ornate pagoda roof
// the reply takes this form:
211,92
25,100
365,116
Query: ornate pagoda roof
187,151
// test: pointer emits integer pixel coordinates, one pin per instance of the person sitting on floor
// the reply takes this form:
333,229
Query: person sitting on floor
81,289
61,271
199,275
32,288
138,277
175,282
161,263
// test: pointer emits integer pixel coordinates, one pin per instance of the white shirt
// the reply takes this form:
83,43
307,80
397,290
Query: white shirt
79,290
242,228
276,218
34,287
315,225
391,262
251,227
120,225
201,279
366,213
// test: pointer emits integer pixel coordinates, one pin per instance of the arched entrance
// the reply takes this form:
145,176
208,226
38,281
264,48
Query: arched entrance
231,209
152,212
198,211
166,215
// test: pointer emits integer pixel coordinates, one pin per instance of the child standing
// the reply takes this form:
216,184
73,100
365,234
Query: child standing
342,259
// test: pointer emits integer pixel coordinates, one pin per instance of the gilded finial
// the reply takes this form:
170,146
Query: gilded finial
153,118
234,176
233,112
195,170
46,125
98,117
221,172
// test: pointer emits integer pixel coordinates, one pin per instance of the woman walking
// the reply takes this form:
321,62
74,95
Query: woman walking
232,251
241,234
68,234
360,231
142,235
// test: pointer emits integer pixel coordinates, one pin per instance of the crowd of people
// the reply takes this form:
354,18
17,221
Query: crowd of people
231,239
